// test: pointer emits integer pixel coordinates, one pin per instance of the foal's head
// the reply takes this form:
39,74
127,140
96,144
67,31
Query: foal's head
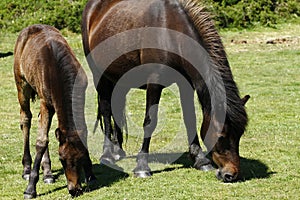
71,154
223,140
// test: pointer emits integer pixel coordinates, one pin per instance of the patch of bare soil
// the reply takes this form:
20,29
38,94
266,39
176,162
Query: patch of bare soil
282,40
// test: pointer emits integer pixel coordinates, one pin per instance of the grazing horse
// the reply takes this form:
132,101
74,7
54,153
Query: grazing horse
44,65
153,41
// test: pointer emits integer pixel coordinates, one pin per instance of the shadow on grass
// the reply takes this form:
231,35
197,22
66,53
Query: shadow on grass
251,168
254,169
56,174
107,175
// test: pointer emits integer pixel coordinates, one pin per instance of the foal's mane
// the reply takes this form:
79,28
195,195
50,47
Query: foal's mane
73,81
210,39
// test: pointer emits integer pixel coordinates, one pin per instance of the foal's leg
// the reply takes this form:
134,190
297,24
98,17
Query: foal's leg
46,162
24,94
152,100
90,178
46,167
189,116
41,147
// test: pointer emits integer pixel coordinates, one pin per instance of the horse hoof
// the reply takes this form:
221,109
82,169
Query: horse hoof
26,177
142,174
107,161
49,180
29,196
208,167
119,155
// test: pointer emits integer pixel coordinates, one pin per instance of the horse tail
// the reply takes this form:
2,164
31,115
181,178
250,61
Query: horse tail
122,122
99,117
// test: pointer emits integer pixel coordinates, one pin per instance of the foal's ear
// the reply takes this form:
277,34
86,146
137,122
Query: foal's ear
245,99
59,136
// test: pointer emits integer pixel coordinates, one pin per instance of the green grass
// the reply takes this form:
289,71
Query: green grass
269,148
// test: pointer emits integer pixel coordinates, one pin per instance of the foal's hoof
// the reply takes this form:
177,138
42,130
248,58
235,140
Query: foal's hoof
142,174
26,177
205,168
76,192
29,196
49,179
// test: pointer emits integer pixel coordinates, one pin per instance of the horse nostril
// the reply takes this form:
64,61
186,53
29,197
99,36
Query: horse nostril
75,192
228,177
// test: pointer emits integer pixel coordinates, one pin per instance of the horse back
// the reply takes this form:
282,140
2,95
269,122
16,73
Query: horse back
43,60
104,19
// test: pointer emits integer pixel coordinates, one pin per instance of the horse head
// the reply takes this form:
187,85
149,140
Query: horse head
223,141
71,154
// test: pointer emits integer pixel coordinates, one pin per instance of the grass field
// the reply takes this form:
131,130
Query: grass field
265,63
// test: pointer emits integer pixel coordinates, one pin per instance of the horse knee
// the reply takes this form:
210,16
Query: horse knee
42,144
25,120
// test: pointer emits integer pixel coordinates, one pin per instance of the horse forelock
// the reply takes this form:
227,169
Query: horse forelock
210,38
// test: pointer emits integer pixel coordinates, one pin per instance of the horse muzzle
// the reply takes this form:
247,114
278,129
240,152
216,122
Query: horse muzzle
75,191
227,176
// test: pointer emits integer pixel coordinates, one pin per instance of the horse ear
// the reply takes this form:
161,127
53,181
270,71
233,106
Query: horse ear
59,136
245,99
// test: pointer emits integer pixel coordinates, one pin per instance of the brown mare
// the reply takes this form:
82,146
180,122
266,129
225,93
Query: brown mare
120,36
45,65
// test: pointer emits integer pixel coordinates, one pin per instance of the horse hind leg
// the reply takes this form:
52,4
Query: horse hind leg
24,94
195,150
105,89
118,112
118,151
41,147
142,169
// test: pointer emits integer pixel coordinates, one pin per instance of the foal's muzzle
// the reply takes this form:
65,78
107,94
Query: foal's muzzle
75,191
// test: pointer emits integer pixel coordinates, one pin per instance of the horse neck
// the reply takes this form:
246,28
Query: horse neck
70,113
70,100
217,92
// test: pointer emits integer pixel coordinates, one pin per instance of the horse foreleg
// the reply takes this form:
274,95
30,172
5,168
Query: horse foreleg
46,162
90,178
46,167
152,100
189,116
41,147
